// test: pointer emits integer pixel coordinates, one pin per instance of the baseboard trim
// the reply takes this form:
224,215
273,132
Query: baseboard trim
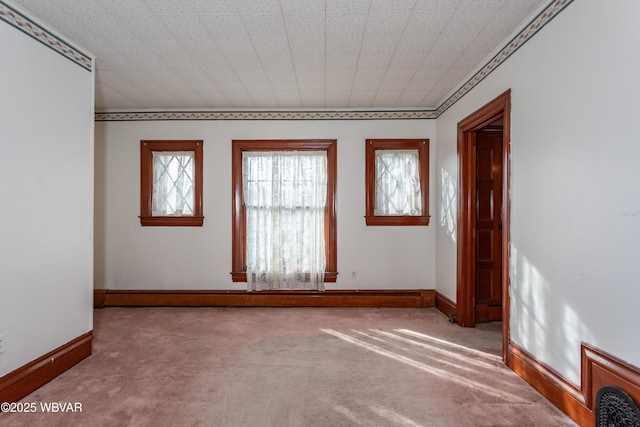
599,369
551,385
25,380
99,296
445,305
408,298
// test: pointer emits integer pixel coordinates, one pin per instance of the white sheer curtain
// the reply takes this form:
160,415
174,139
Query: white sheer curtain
173,174
397,183
285,195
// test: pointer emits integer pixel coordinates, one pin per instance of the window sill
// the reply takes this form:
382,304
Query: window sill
241,276
172,221
397,220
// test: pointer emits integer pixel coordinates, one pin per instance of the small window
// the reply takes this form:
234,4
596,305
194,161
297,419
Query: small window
397,180
171,183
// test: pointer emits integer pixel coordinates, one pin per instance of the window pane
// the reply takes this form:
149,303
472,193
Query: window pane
173,183
397,183
284,197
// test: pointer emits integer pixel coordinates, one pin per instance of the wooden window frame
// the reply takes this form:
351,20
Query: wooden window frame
372,145
239,238
147,148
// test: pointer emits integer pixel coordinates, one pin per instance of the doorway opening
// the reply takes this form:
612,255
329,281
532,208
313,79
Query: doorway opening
483,217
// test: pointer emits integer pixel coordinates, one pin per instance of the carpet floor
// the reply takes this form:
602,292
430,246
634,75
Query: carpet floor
290,367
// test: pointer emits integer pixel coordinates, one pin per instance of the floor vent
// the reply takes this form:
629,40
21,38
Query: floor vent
614,408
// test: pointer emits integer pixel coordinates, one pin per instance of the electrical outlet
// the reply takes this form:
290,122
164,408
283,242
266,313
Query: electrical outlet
1,343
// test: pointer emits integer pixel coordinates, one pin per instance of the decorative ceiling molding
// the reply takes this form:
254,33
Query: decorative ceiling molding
265,115
44,36
542,19
28,26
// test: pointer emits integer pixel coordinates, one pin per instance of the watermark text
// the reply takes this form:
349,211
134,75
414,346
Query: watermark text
46,407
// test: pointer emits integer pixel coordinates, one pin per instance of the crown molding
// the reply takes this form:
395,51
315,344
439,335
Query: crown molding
47,37
264,115
523,36
28,26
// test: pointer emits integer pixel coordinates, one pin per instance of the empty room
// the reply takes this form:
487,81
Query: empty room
319,212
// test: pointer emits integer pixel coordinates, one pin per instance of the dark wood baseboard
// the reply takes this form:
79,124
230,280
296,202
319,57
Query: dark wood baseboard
23,381
98,297
445,305
551,385
599,369
205,298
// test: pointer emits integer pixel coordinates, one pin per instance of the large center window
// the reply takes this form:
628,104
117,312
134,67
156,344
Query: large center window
284,232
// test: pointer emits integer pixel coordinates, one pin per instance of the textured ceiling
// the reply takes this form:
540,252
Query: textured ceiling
289,54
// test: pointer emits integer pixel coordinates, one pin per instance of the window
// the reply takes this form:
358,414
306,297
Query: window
284,219
171,183
397,182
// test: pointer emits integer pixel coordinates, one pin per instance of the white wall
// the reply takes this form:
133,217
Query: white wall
575,207
129,256
46,219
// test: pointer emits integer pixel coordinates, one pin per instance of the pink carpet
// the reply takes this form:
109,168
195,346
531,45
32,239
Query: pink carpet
290,367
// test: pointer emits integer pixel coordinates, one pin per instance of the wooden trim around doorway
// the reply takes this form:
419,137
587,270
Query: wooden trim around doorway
498,108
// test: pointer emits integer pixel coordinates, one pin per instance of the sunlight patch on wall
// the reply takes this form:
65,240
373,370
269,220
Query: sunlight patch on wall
573,332
448,207
528,308
542,320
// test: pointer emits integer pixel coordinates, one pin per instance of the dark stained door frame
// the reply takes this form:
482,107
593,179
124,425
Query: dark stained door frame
498,108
